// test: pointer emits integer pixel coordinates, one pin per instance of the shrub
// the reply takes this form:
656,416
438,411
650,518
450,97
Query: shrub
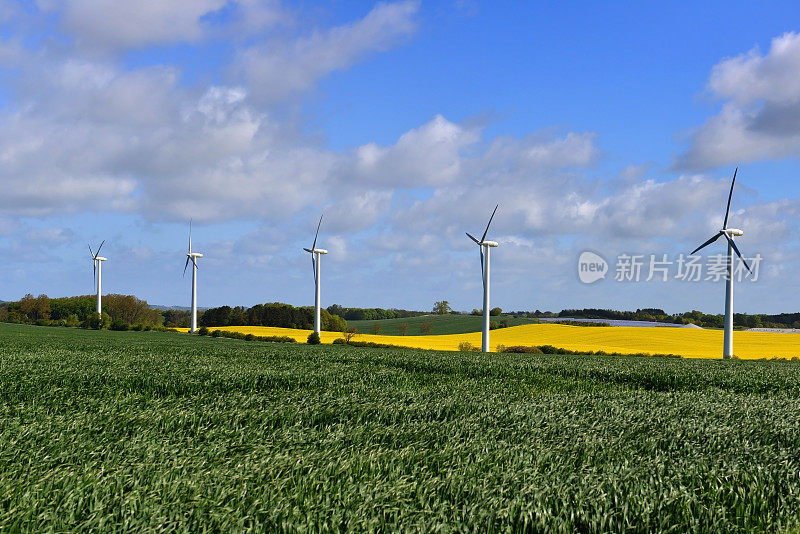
494,325
313,339
216,333
119,325
97,321
202,331
466,346
580,323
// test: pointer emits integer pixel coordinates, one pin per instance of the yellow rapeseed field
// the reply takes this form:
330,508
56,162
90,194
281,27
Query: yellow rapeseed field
693,343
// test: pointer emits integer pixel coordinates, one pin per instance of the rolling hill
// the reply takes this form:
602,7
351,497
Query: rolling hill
441,324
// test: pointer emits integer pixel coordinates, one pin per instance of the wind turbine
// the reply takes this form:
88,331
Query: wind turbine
192,256
98,260
483,244
315,260
729,234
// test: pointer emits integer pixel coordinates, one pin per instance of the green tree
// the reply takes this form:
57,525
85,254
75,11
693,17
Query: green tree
350,333
97,321
495,311
442,307
425,327
402,328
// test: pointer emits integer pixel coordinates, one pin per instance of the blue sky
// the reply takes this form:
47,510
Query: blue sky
611,127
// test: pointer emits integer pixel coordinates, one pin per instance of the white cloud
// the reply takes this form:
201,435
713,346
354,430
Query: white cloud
760,117
355,209
276,70
426,156
100,25
256,16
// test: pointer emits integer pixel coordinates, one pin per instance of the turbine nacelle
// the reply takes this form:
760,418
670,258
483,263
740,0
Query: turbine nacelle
195,255
490,243
316,250
100,258
733,232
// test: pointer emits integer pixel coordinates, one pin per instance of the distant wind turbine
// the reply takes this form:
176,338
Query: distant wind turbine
98,260
483,244
729,234
315,261
192,256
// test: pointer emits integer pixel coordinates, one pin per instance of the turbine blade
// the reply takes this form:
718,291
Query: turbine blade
736,249
314,246
728,209
708,242
483,272
91,253
195,264
314,268
476,241
186,265
490,222
190,236
98,249
94,271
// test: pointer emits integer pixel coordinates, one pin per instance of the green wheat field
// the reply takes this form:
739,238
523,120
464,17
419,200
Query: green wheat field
138,431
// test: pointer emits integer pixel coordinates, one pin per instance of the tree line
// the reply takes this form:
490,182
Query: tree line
271,314
371,314
119,311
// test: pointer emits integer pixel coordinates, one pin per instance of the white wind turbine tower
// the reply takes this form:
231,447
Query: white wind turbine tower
483,244
315,261
729,234
192,256
98,260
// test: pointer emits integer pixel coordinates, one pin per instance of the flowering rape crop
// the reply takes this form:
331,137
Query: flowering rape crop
687,342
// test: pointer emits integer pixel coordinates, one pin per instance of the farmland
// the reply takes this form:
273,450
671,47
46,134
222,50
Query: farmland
440,324
686,342
164,431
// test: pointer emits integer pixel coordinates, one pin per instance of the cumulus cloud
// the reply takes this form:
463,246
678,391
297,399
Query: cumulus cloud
88,133
426,156
276,70
109,25
760,116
